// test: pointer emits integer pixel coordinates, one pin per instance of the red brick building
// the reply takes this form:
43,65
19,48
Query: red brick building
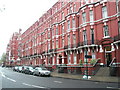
69,31
12,50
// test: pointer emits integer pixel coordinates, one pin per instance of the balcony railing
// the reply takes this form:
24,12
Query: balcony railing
88,42
116,38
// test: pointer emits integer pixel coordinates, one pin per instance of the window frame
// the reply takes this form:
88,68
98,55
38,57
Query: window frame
91,15
84,17
106,31
104,12
75,58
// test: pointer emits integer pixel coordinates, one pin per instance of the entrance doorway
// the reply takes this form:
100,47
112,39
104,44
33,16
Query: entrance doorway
60,59
108,55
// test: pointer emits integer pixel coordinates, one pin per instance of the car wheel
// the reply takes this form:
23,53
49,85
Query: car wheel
40,74
34,74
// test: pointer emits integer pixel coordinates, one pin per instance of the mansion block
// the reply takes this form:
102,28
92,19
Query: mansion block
70,36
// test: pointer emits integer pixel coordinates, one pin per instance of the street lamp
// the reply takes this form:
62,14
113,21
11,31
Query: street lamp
86,73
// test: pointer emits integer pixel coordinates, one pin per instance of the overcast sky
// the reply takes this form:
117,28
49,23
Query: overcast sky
15,14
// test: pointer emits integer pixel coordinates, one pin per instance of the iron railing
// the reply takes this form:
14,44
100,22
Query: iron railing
117,37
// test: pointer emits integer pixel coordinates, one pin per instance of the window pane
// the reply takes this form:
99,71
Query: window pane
104,12
84,17
68,24
68,40
106,32
68,58
62,42
91,16
57,44
92,36
73,23
85,37
75,58
74,39
56,31
62,29
119,26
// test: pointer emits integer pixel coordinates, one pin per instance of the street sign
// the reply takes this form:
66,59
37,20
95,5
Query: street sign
88,56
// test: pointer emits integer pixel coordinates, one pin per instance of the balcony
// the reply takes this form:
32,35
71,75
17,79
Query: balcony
66,47
43,52
88,42
116,38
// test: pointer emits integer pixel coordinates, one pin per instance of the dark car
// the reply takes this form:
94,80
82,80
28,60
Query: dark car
29,70
15,68
24,68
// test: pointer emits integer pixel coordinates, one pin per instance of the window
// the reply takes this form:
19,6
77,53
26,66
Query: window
56,31
49,60
106,32
68,57
57,44
62,29
52,44
68,25
62,15
48,34
91,16
93,54
85,37
71,9
69,40
92,36
119,27
104,12
52,32
75,58
74,39
86,1
62,3
74,8
73,23
62,42
85,53
84,17
48,46
67,11
53,61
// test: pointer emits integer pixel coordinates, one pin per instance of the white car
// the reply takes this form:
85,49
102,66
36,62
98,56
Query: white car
41,71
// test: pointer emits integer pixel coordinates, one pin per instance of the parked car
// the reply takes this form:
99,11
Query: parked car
41,71
24,68
15,68
20,68
29,70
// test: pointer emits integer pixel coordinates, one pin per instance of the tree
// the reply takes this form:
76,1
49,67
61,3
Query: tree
3,58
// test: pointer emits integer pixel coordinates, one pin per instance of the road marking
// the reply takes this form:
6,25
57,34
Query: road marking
38,86
11,79
2,74
57,81
113,88
26,84
7,77
33,85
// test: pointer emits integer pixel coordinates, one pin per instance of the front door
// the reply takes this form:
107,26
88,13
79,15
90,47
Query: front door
108,55
108,59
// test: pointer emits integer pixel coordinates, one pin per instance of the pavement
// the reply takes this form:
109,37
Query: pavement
92,78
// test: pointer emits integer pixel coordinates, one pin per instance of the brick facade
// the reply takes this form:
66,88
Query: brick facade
70,30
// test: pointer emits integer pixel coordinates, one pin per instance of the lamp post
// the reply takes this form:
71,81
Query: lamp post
86,57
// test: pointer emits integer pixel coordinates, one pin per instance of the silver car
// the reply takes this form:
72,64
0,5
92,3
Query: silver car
41,71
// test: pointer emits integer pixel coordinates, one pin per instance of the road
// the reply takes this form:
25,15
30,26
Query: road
12,79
